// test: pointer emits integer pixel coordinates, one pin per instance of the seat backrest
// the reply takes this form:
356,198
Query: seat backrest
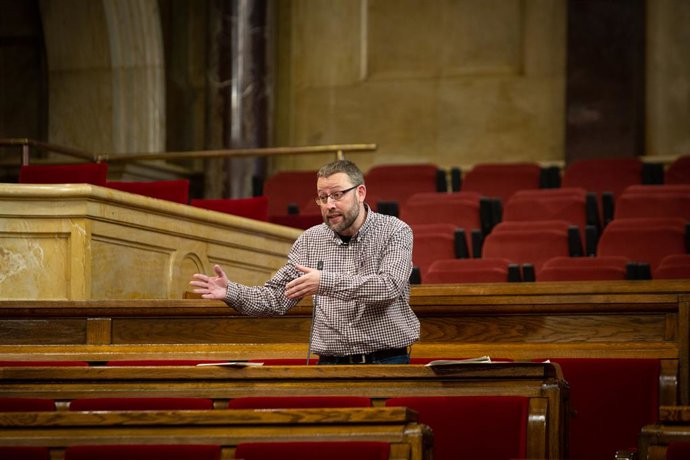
673,266
477,427
12,404
176,191
144,452
530,242
432,242
77,173
178,403
297,402
549,204
314,450
397,182
501,180
645,240
654,201
611,399
485,270
286,189
460,209
252,208
583,269
678,172
601,175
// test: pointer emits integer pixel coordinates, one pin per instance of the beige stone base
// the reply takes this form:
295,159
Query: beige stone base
78,241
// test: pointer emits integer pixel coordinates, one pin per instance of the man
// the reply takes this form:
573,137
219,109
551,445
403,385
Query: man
356,265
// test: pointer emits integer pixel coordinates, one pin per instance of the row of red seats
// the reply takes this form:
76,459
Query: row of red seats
651,223
633,248
599,404
290,193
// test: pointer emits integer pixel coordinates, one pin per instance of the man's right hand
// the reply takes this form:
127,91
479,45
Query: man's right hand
211,287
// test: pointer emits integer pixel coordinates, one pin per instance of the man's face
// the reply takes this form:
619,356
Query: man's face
340,215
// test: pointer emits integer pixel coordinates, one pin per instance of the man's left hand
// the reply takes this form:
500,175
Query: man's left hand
307,284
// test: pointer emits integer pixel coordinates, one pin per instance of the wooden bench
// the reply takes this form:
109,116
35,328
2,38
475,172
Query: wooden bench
396,425
542,383
674,425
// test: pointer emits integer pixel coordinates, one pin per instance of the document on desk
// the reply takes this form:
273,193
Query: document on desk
449,362
231,364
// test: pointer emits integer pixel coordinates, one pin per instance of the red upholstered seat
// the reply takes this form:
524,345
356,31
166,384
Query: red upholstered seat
303,221
26,405
574,205
678,172
96,404
432,242
603,174
78,173
24,453
289,189
398,182
501,180
678,450
295,402
170,190
611,400
329,450
532,242
461,209
583,268
144,452
674,266
644,240
473,427
252,208
654,201
485,270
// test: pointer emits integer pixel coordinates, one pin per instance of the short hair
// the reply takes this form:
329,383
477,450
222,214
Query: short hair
342,166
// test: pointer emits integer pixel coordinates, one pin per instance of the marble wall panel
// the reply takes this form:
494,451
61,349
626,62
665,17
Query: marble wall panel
33,262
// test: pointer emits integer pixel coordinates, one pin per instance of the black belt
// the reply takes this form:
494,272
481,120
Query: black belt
363,358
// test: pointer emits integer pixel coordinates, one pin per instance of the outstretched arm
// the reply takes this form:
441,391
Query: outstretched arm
211,287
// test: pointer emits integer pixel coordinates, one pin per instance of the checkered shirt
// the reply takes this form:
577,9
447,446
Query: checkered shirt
363,300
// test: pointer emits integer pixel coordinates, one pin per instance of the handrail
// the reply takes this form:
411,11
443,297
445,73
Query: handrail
338,149
26,143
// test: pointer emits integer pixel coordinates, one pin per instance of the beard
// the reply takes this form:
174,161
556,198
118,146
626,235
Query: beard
347,216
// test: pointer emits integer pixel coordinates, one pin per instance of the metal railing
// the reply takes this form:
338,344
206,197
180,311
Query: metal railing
26,145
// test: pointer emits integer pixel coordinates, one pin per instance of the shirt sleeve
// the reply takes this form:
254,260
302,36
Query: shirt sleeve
269,299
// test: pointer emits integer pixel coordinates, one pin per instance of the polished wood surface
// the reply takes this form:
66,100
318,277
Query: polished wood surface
674,425
542,383
396,425
522,321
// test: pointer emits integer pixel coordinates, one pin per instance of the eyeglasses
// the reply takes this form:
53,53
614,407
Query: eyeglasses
335,196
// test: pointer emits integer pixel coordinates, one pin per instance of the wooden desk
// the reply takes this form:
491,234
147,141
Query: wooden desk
542,383
395,425
631,319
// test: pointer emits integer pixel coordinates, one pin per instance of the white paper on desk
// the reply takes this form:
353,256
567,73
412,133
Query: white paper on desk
232,364
448,362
